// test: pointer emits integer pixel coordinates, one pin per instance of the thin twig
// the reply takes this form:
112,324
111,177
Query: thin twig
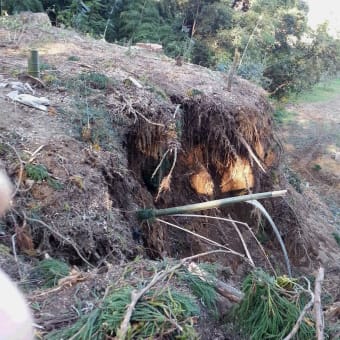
317,305
34,154
165,183
136,295
258,205
238,222
228,250
251,153
160,163
15,255
242,240
302,315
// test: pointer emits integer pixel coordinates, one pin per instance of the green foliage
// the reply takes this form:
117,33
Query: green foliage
37,172
73,58
95,80
281,115
204,290
153,316
50,271
316,167
40,173
16,6
337,237
324,91
278,51
271,307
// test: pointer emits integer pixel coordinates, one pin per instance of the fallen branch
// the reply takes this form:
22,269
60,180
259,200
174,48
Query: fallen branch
136,295
317,305
221,287
302,315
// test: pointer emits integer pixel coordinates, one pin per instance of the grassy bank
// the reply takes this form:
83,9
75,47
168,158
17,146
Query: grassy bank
321,92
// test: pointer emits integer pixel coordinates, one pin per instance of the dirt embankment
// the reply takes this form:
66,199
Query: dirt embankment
84,167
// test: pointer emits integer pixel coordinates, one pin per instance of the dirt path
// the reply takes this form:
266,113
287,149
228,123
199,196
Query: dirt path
311,140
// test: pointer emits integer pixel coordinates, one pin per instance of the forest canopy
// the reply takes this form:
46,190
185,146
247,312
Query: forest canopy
278,50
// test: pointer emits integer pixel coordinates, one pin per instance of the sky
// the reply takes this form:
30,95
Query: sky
321,10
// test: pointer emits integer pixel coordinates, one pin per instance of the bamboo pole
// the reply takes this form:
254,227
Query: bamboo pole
146,214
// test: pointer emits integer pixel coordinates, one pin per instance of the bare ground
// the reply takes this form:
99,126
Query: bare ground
311,140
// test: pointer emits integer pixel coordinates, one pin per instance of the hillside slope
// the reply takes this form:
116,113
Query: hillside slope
84,167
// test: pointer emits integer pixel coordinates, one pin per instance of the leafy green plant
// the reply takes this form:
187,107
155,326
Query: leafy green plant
316,167
37,172
40,173
271,307
50,271
154,316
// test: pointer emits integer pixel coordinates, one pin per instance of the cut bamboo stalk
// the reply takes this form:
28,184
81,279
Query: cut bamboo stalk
33,64
146,214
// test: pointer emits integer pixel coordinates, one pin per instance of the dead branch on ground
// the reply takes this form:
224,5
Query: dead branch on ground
136,295
317,305
302,314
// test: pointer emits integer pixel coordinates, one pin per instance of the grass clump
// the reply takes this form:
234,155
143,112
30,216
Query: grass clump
271,307
96,80
157,314
39,173
73,58
50,271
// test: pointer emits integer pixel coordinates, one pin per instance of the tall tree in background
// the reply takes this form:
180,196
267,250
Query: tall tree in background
277,49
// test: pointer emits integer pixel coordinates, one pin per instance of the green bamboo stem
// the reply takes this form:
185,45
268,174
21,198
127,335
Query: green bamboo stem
146,214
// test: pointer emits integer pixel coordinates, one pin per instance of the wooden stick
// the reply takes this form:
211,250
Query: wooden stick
224,289
317,305
302,315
